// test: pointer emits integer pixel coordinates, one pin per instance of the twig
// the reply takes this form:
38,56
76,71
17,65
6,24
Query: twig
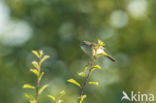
86,79
37,86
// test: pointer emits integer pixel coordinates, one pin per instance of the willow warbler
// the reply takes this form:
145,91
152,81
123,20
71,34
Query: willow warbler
93,50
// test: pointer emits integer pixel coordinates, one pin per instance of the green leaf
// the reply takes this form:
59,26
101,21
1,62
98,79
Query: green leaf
30,97
96,67
74,82
34,71
60,101
43,88
82,98
28,86
83,73
93,83
52,97
41,75
100,43
41,53
33,101
44,58
35,64
35,53
62,93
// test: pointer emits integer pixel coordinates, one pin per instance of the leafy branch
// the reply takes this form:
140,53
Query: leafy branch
86,73
37,71
58,98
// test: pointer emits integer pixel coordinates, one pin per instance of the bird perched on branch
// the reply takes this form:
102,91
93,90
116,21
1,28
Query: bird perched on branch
95,50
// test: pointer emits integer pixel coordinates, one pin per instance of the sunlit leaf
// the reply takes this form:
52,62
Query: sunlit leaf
61,94
35,53
44,58
82,98
100,43
52,97
74,82
41,75
30,97
35,64
33,101
93,83
41,53
96,66
43,88
28,86
60,101
83,73
34,71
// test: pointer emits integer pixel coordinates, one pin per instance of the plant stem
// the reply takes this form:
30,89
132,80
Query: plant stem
37,89
37,85
86,79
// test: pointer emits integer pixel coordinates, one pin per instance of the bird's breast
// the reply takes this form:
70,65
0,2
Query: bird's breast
100,50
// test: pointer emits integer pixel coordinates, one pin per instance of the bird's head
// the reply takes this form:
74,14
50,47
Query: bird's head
84,43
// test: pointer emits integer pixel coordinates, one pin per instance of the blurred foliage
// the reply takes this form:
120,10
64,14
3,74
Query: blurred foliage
57,28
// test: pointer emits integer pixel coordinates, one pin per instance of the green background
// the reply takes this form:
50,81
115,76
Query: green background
57,26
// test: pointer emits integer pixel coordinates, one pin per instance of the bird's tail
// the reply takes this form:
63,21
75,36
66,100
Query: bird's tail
111,58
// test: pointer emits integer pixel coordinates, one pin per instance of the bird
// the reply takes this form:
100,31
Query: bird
93,50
